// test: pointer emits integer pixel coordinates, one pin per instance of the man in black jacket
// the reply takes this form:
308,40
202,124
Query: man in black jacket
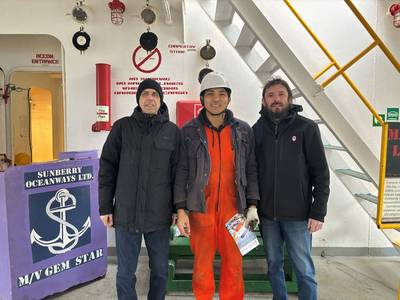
294,187
136,178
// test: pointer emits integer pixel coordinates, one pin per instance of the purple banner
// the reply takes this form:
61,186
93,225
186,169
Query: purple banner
51,233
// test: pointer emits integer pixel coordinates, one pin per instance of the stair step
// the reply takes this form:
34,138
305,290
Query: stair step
296,93
355,174
268,66
246,37
224,11
369,197
266,69
334,147
250,57
230,31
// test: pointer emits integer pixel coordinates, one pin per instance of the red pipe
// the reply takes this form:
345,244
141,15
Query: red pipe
103,98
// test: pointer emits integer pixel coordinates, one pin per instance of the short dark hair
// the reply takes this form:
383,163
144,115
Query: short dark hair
277,81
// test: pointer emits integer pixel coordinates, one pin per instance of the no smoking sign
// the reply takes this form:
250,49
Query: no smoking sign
146,62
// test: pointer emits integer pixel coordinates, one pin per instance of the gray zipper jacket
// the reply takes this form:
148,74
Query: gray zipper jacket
194,165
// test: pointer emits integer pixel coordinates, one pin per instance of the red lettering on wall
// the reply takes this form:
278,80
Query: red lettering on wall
396,151
394,134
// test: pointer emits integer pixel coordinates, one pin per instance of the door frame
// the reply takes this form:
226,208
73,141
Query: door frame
8,117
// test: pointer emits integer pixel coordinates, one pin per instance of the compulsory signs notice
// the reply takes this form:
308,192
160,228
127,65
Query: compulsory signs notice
391,201
146,62
391,197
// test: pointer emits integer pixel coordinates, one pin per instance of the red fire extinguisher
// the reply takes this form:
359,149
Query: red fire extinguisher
103,98
394,10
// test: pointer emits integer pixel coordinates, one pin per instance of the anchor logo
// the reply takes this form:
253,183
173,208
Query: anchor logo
68,235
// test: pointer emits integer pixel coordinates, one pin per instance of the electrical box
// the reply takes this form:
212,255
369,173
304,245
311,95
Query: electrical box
187,110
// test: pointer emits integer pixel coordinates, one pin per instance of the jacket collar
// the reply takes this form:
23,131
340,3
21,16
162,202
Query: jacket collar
228,120
149,120
293,110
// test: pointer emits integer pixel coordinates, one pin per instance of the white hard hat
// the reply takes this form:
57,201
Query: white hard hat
214,80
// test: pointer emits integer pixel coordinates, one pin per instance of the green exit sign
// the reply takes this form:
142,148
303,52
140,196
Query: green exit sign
375,122
392,114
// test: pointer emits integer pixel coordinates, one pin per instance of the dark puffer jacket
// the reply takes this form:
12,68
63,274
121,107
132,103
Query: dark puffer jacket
194,166
137,171
292,169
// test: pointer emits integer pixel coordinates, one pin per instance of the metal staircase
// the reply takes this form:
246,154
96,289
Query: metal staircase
247,30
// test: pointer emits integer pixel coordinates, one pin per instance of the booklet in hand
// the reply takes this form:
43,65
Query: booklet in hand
245,239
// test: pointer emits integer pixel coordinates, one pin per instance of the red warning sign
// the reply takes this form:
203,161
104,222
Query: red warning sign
146,62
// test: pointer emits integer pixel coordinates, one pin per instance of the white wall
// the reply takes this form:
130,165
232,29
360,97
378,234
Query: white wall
114,45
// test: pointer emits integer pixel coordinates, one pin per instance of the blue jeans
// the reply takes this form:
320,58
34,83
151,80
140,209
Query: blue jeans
298,243
128,246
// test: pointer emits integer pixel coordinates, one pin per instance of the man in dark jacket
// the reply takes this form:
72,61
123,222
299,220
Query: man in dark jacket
294,187
136,178
216,178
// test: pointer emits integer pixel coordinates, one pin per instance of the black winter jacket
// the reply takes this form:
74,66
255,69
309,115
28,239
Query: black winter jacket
137,171
292,169
195,165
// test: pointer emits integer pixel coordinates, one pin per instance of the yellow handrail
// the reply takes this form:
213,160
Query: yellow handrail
349,64
318,75
341,71
313,35
376,38
382,169
334,63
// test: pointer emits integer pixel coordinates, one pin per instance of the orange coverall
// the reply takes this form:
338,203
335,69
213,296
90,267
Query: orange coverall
208,231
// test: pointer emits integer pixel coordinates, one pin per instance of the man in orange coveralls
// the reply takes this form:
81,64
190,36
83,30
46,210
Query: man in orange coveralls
216,178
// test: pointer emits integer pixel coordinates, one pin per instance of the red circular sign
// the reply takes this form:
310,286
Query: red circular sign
141,60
